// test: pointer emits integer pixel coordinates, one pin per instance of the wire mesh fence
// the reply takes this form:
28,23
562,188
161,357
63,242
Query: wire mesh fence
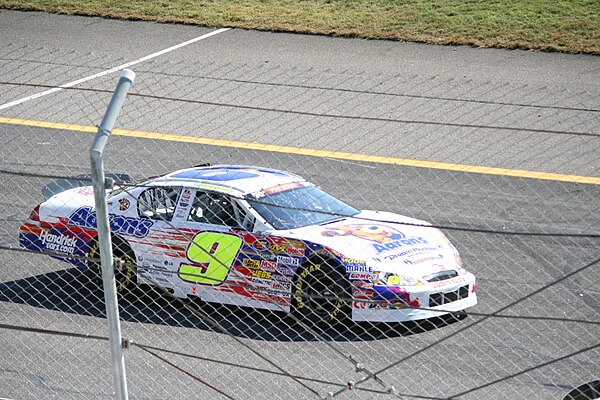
251,283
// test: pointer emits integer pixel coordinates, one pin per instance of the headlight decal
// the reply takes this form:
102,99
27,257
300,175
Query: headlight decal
390,279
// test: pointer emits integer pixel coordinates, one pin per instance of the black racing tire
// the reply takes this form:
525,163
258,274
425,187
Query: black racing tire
321,294
125,270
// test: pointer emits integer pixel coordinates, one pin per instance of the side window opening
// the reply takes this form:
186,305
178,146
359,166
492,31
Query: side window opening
243,218
246,220
158,203
216,209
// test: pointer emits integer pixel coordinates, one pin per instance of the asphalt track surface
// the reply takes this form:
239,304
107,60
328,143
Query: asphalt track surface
297,72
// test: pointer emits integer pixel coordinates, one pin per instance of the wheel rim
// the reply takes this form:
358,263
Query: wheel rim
320,290
125,276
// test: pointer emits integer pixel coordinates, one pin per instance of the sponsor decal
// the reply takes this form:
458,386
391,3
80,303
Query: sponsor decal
186,194
149,259
278,294
150,277
350,268
285,270
124,204
362,294
84,217
362,284
296,243
58,243
257,273
219,188
352,265
262,283
154,268
281,278
143,271
260,245
374,233
163,271
288,260
267,256
249,263
410,252
385,238
360,275
282,188
454,281
264,255
398,244
365,295
361,305
268,265
327,252
185,205
282,286
258,195
286,249
352,261
424,259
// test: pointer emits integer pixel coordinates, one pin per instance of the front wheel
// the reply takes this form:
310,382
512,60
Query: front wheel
322,294
125,271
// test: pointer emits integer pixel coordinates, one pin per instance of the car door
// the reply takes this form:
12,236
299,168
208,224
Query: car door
225,261
213,222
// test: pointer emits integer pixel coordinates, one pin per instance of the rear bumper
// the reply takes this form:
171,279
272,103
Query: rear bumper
55,243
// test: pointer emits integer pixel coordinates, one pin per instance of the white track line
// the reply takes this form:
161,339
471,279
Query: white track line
109,71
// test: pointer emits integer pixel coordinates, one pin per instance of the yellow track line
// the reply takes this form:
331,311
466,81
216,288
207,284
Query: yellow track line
314,152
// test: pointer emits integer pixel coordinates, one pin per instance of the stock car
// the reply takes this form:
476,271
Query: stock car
260,238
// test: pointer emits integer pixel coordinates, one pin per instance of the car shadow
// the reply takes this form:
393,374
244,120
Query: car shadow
79,292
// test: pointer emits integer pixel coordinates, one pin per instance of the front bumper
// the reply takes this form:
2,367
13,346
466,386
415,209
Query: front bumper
398,304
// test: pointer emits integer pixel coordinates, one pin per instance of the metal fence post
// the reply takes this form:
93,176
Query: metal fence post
106,253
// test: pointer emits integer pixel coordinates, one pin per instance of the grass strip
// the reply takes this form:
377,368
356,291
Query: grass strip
549,25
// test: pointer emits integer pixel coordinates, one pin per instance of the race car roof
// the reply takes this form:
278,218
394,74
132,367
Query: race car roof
239,178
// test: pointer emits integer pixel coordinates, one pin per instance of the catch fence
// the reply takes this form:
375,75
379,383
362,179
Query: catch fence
511,180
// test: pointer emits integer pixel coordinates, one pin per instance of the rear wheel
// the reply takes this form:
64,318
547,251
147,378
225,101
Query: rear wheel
125,270
322,294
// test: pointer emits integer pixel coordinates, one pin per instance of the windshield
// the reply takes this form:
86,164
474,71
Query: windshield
301,207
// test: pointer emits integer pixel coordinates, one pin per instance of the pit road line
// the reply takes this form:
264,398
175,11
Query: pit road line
314,152
111,70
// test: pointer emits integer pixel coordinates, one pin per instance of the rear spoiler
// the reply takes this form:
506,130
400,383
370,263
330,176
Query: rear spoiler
61,185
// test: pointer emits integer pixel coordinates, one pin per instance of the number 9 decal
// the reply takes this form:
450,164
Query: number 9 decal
212,255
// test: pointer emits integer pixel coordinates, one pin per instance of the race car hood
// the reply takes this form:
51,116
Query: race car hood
387,242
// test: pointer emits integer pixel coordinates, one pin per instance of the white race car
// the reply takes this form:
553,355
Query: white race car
260,238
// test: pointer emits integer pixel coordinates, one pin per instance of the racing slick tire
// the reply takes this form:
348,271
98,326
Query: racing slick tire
321,294
125,270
